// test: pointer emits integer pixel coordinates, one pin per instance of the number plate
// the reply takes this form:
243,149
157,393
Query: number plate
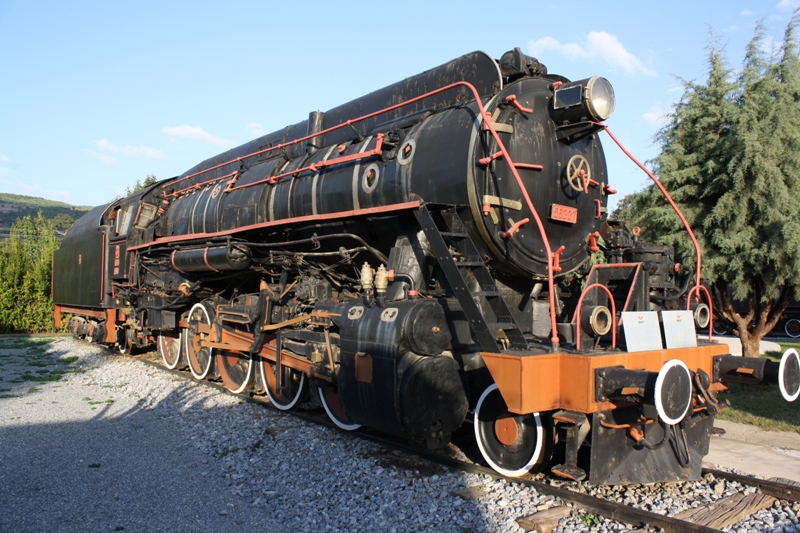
563,213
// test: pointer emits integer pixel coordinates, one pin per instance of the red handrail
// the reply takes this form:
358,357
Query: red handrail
666,195
677,210
577,317
699,289
486,123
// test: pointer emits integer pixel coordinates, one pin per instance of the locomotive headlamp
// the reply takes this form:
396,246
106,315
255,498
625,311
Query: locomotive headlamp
589,99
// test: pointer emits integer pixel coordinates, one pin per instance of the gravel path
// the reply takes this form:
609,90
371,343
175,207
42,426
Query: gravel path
95,442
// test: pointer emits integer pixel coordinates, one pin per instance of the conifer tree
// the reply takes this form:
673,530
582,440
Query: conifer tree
731,159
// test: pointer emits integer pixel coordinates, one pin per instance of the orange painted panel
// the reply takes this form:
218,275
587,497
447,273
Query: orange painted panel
531,383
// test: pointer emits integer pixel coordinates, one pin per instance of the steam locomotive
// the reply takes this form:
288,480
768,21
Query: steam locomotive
433,254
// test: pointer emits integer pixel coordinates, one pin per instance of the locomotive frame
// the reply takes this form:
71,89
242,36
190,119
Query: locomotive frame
343,261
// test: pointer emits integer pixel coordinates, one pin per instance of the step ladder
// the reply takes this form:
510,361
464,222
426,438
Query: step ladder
490,318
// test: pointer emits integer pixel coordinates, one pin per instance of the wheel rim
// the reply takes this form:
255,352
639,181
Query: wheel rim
200,359
235,369
792,328
293,381
124,341
332,405
720,327
512,444
169,348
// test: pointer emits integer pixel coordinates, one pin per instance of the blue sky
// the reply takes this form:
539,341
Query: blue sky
95,95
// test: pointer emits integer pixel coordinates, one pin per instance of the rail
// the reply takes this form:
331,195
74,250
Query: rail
604,507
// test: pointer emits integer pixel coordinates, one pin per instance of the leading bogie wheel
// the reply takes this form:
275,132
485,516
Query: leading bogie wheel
332,405
511,444
199,358
235,369
170,348
126,340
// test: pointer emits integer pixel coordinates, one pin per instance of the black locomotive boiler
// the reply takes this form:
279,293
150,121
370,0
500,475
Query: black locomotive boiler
419,259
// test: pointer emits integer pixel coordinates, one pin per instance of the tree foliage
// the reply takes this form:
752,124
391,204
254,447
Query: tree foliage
25,270
148,181
26,258
731,159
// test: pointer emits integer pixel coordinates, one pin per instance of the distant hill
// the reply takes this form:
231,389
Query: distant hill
14,206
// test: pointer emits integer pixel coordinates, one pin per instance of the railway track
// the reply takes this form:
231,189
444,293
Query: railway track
567,492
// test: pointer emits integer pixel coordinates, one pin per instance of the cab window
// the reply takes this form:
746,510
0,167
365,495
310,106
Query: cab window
124,219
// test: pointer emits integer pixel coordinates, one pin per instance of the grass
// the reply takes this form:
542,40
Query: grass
762,405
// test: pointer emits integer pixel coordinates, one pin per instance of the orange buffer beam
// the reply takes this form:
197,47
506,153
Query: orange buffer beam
534,383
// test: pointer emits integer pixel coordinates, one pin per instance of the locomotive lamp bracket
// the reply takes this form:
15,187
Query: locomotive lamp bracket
570,133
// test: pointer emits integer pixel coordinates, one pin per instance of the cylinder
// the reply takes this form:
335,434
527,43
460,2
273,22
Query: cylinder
211,259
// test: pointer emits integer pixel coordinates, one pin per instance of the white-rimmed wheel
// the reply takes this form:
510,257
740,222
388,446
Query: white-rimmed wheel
330,402
293,385
235,369
720,327
199,358
170,348
512,444
125,340
789,375
673,391
792,328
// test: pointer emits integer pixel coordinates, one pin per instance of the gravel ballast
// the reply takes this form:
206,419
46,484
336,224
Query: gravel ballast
91,441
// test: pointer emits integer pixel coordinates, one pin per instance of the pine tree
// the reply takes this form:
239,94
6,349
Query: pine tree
731,159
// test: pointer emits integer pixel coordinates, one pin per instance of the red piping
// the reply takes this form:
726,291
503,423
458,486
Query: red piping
557,258
529,166
593,240
296,220
675,207
103,267
205,259
576,317
314,167
486,124
172,260
638,267
200,185
514,228
700,288
512,99
666,195
488,159
599,208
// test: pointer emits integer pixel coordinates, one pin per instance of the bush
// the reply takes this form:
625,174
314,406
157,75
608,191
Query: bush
25,271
